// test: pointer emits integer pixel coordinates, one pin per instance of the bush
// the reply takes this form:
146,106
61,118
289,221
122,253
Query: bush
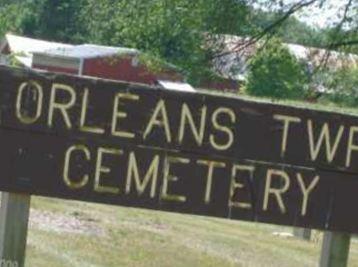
274,72
341,86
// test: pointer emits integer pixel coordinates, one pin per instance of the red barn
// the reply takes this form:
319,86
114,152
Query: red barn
102,62
116,63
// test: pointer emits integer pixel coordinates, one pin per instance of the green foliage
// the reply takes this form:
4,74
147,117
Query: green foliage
297,32
274,72
11,16
341,86
226,17
154,64
166,31
56,20
171,30
48,19
337,39
291,31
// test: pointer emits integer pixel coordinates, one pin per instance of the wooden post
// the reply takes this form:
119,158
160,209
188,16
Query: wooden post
302,233
14,217
335,249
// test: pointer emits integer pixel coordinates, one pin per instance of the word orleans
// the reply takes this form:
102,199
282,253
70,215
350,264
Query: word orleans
159,118
162,176
217,125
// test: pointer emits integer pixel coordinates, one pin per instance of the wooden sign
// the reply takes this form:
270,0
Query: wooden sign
131,145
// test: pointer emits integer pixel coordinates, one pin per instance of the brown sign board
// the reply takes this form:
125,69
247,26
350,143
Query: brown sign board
192,152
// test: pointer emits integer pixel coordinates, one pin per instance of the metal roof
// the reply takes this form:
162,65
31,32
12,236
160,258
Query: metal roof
27,46
89,51
237,51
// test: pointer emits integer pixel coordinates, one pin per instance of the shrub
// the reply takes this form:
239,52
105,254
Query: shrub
274,72
341,86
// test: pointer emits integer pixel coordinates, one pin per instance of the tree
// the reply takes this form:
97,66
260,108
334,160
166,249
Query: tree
11,16
47,19
341,86
274,72
172,31
340,34
55,20
175,31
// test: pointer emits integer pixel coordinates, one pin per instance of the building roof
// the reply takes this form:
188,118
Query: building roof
316,56
27,46
237,50
23,48
88,51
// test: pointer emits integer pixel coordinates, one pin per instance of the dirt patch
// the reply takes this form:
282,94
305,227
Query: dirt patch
154,226
75,222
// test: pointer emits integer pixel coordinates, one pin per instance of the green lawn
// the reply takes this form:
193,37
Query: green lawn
70,233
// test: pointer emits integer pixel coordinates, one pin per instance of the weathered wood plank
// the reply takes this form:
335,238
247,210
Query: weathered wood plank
335,249
132,145
14,216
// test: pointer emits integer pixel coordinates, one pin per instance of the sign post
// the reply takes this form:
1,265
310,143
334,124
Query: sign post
14,216
335,249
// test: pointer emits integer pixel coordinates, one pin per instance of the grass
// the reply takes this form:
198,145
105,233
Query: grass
319,105
78,234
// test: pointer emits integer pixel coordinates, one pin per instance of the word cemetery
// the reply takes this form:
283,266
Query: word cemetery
192,152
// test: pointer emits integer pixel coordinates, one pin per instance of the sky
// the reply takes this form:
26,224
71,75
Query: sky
315,15
322,16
